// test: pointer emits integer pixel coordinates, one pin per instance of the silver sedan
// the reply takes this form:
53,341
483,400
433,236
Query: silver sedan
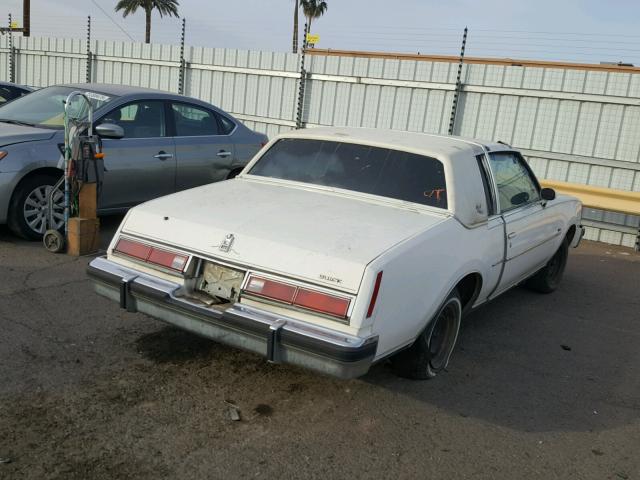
170,143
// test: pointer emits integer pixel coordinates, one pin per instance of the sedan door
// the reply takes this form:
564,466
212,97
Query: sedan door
142,165
204,151
532,230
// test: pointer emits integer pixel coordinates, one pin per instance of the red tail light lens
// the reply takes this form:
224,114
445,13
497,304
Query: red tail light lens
321,302
374,295
271,289
149,254
168,259
133,249
298,296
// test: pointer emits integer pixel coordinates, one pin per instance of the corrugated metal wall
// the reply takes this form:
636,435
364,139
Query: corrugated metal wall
573,125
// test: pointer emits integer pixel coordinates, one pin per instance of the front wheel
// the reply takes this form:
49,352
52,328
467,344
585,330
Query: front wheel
28,207
430,353
548,278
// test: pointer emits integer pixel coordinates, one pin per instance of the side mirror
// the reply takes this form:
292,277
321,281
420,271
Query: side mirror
109,130
548,194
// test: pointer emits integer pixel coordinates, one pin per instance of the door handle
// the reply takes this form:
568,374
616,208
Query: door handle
511,235
161,155
223,153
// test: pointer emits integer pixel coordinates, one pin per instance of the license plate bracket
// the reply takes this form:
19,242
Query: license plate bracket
220,281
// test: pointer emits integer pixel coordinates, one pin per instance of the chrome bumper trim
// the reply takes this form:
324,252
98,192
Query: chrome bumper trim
279,338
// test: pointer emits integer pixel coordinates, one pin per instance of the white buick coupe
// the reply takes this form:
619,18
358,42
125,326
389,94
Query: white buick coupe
336,248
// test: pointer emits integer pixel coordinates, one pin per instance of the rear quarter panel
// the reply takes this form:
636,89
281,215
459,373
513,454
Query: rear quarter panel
419,274
246,143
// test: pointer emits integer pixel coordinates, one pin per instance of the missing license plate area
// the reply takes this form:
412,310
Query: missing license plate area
220,282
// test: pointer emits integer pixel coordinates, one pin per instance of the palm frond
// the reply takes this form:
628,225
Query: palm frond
164,7
313,8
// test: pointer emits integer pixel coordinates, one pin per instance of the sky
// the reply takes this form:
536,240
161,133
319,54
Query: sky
569,30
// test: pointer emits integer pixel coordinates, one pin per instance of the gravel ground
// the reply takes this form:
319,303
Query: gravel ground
540,386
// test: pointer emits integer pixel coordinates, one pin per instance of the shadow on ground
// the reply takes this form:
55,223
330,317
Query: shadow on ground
567,361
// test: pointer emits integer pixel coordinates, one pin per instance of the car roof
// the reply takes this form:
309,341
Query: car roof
17,85
429,144
115,89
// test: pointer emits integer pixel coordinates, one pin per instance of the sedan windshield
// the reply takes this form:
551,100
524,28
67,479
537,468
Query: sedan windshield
45,108
361,168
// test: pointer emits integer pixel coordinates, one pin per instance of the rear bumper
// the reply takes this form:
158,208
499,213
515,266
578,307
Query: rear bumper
280,339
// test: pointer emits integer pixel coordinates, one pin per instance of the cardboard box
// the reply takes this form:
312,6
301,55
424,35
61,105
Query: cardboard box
87,200
84,236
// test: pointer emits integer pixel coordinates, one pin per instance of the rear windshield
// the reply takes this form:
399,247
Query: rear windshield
361,168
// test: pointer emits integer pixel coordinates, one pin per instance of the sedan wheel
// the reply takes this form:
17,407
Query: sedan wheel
548,279
28,207
430,353
35,209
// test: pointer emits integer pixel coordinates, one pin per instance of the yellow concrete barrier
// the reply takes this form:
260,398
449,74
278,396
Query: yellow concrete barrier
620,201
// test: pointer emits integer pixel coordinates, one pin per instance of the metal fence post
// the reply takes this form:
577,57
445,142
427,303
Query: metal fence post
456,93
182,62
89,55
12,53
303,80
638,240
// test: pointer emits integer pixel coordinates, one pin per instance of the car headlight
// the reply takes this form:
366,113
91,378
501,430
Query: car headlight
3,154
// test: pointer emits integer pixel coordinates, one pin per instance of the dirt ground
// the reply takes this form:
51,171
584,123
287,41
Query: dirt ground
540,387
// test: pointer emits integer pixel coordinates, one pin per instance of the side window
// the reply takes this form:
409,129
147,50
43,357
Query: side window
226,124
194,121
144,119
516,186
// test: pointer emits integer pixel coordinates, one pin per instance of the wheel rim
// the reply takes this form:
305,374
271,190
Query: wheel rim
35,209
443,335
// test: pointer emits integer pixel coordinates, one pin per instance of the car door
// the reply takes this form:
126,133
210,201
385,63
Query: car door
531,227
204,151
142,165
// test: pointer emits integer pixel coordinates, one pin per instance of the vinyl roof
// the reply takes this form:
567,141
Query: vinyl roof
429,144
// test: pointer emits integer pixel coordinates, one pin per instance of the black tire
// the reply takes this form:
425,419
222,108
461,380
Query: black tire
20,212
430,353
548,278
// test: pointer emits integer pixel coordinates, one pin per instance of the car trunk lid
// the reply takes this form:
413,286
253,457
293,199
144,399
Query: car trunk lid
307,234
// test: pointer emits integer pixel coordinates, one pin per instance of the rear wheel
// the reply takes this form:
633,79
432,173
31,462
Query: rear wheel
548,278
28,207
431,351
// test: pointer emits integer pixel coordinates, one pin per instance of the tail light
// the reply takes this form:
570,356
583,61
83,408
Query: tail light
270,289
298,296
149,254
322,302
374,294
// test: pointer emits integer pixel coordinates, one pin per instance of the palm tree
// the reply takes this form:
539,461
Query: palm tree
295,26
313,9
164,7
